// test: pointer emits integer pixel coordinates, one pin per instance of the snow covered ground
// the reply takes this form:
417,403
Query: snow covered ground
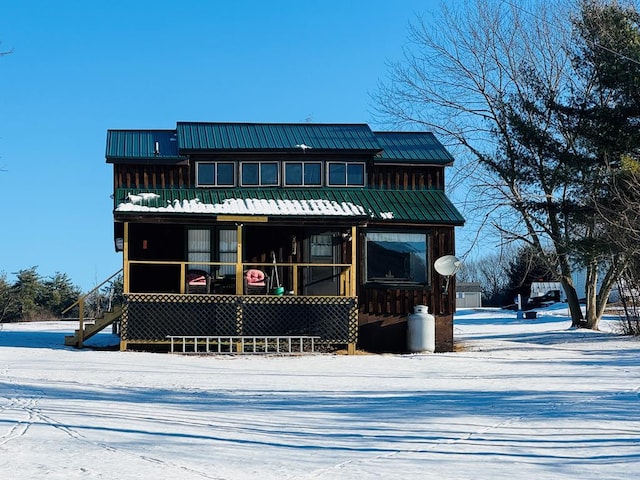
530,399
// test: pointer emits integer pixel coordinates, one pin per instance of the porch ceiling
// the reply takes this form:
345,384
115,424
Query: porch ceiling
391,206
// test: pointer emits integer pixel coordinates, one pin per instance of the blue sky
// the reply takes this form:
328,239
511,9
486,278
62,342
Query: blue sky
79,68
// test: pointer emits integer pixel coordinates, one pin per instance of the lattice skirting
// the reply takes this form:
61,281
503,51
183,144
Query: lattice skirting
153,317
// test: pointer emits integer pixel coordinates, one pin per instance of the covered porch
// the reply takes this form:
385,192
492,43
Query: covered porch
192,280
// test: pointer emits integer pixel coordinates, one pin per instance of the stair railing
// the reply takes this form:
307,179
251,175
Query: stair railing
80,304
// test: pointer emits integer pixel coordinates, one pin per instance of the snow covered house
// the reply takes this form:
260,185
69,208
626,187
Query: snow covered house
338,224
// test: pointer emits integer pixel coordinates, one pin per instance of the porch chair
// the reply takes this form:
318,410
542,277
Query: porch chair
256,282
198,281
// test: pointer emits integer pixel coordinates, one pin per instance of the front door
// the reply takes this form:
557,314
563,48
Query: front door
322,248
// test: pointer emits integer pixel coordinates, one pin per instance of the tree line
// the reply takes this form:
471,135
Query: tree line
32,297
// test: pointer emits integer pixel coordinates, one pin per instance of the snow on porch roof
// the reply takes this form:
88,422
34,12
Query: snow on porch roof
420,206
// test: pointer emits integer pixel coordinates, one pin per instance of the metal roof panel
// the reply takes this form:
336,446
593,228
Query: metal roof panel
429,206
141,145
193,136
412,147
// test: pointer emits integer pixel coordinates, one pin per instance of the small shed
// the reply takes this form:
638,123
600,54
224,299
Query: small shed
468,295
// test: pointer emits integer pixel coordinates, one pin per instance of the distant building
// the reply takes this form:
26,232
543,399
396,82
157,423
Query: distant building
547,291
468,295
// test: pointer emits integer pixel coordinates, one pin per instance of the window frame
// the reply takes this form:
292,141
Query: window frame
394,280
346,174
205,254
304,164
260,163
215,183
215,252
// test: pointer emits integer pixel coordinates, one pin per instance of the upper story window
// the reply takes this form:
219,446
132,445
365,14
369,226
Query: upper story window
267,174
343,174
303,174
215,174
259,173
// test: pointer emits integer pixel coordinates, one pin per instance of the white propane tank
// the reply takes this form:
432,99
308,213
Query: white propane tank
421,330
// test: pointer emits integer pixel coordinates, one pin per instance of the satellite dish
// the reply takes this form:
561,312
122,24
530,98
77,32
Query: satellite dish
447,265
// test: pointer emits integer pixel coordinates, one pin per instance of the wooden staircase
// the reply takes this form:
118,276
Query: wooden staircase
89,329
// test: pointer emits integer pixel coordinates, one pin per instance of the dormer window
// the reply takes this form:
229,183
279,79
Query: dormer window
263,174
303,174
215,174
344,174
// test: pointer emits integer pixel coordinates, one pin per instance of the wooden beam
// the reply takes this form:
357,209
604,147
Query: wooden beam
242,218
125,259
239,256
353,277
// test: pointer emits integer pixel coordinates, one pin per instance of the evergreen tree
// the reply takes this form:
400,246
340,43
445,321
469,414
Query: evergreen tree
58,293
28,292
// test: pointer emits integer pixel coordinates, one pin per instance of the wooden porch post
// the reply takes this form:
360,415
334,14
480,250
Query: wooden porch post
125,258
239,282
239,256
353,277
125,274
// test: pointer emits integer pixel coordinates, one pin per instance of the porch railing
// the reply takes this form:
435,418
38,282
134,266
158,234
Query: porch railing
80,303
289,274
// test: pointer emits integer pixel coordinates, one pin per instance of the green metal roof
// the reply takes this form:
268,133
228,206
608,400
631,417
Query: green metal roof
429,206
141,145
276,137
413,147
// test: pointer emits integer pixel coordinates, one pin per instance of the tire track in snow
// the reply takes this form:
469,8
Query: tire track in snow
479,432
20,427
14,403
31,406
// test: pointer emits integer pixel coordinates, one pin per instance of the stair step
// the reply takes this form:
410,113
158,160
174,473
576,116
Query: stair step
93,326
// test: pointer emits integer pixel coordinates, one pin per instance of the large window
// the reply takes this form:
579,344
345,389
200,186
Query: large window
215,174
396,257
199,249
259,173
303,174
343,174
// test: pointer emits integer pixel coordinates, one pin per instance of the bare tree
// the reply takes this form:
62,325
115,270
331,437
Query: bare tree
476,79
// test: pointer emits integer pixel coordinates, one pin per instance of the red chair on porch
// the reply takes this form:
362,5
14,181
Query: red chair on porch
256,282
198,281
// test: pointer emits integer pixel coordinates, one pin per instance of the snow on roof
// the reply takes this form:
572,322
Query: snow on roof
248,206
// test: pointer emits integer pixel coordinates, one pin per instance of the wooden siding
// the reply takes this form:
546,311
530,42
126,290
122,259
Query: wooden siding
383,310
151,176
405,177
182,176
376,299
